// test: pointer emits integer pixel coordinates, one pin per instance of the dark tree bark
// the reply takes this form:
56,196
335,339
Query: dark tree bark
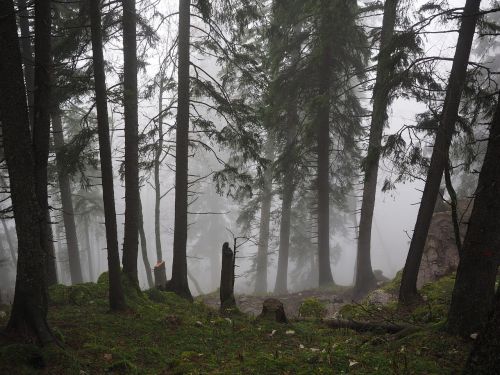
365,280
408,291
144,248
41,126
29,310
75,267
288,167
131,229
227,300
323,144
484,358
474,290
116,298
179,281
27,55
265,216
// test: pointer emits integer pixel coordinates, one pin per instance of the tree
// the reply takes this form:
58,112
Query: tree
41,125
75,267
144,248
179,281
131,229
473,294
365,280
323,147
116,298
408,290
27,54
484,358
29,310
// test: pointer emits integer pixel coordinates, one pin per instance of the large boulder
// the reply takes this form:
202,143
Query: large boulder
440,256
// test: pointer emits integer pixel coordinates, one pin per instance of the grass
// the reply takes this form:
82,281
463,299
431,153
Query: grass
163,334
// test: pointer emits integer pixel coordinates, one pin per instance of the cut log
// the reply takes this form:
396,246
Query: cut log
227,300
160,275
273,309
368,326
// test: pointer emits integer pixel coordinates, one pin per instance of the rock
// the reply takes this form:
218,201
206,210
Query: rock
380,297
440,256
273,309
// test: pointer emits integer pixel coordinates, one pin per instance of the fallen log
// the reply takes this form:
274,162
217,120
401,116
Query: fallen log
391,328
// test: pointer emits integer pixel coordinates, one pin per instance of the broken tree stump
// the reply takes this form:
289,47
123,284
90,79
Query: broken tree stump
160,275
227,300
273,309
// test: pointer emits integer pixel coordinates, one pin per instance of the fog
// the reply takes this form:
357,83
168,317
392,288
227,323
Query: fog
213,217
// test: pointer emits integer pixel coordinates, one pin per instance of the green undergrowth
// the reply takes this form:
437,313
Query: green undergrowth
431,311
163,334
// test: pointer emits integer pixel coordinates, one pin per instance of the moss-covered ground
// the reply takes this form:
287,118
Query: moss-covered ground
163,334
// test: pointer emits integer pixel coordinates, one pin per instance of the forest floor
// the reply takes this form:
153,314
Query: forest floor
163,334
333,298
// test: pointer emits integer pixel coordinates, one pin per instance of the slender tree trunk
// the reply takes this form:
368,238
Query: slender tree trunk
474,291
75,266
144,249
323,179
116,298
179,282
9,242
365,280
265,215
89,250
27,55
159,152
29,310
287,199
408,291
454,208
131,239
484,358
41,126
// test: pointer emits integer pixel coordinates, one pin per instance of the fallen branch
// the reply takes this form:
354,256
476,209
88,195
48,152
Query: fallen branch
368,326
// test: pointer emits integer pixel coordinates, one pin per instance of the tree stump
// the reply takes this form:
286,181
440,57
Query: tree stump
160,275
273,309
227,300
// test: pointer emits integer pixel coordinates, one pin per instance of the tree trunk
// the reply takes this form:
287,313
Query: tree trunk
474,291
227,300
265,215
116,298
131,229
408,291
75,266
41,126
144,248
365,280
89,250
160,271
288,191
9,242
29,310
159,152
323,179
179,281
27,55
484,358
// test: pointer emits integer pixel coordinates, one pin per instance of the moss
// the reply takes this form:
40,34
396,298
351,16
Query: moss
166,334
312,308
